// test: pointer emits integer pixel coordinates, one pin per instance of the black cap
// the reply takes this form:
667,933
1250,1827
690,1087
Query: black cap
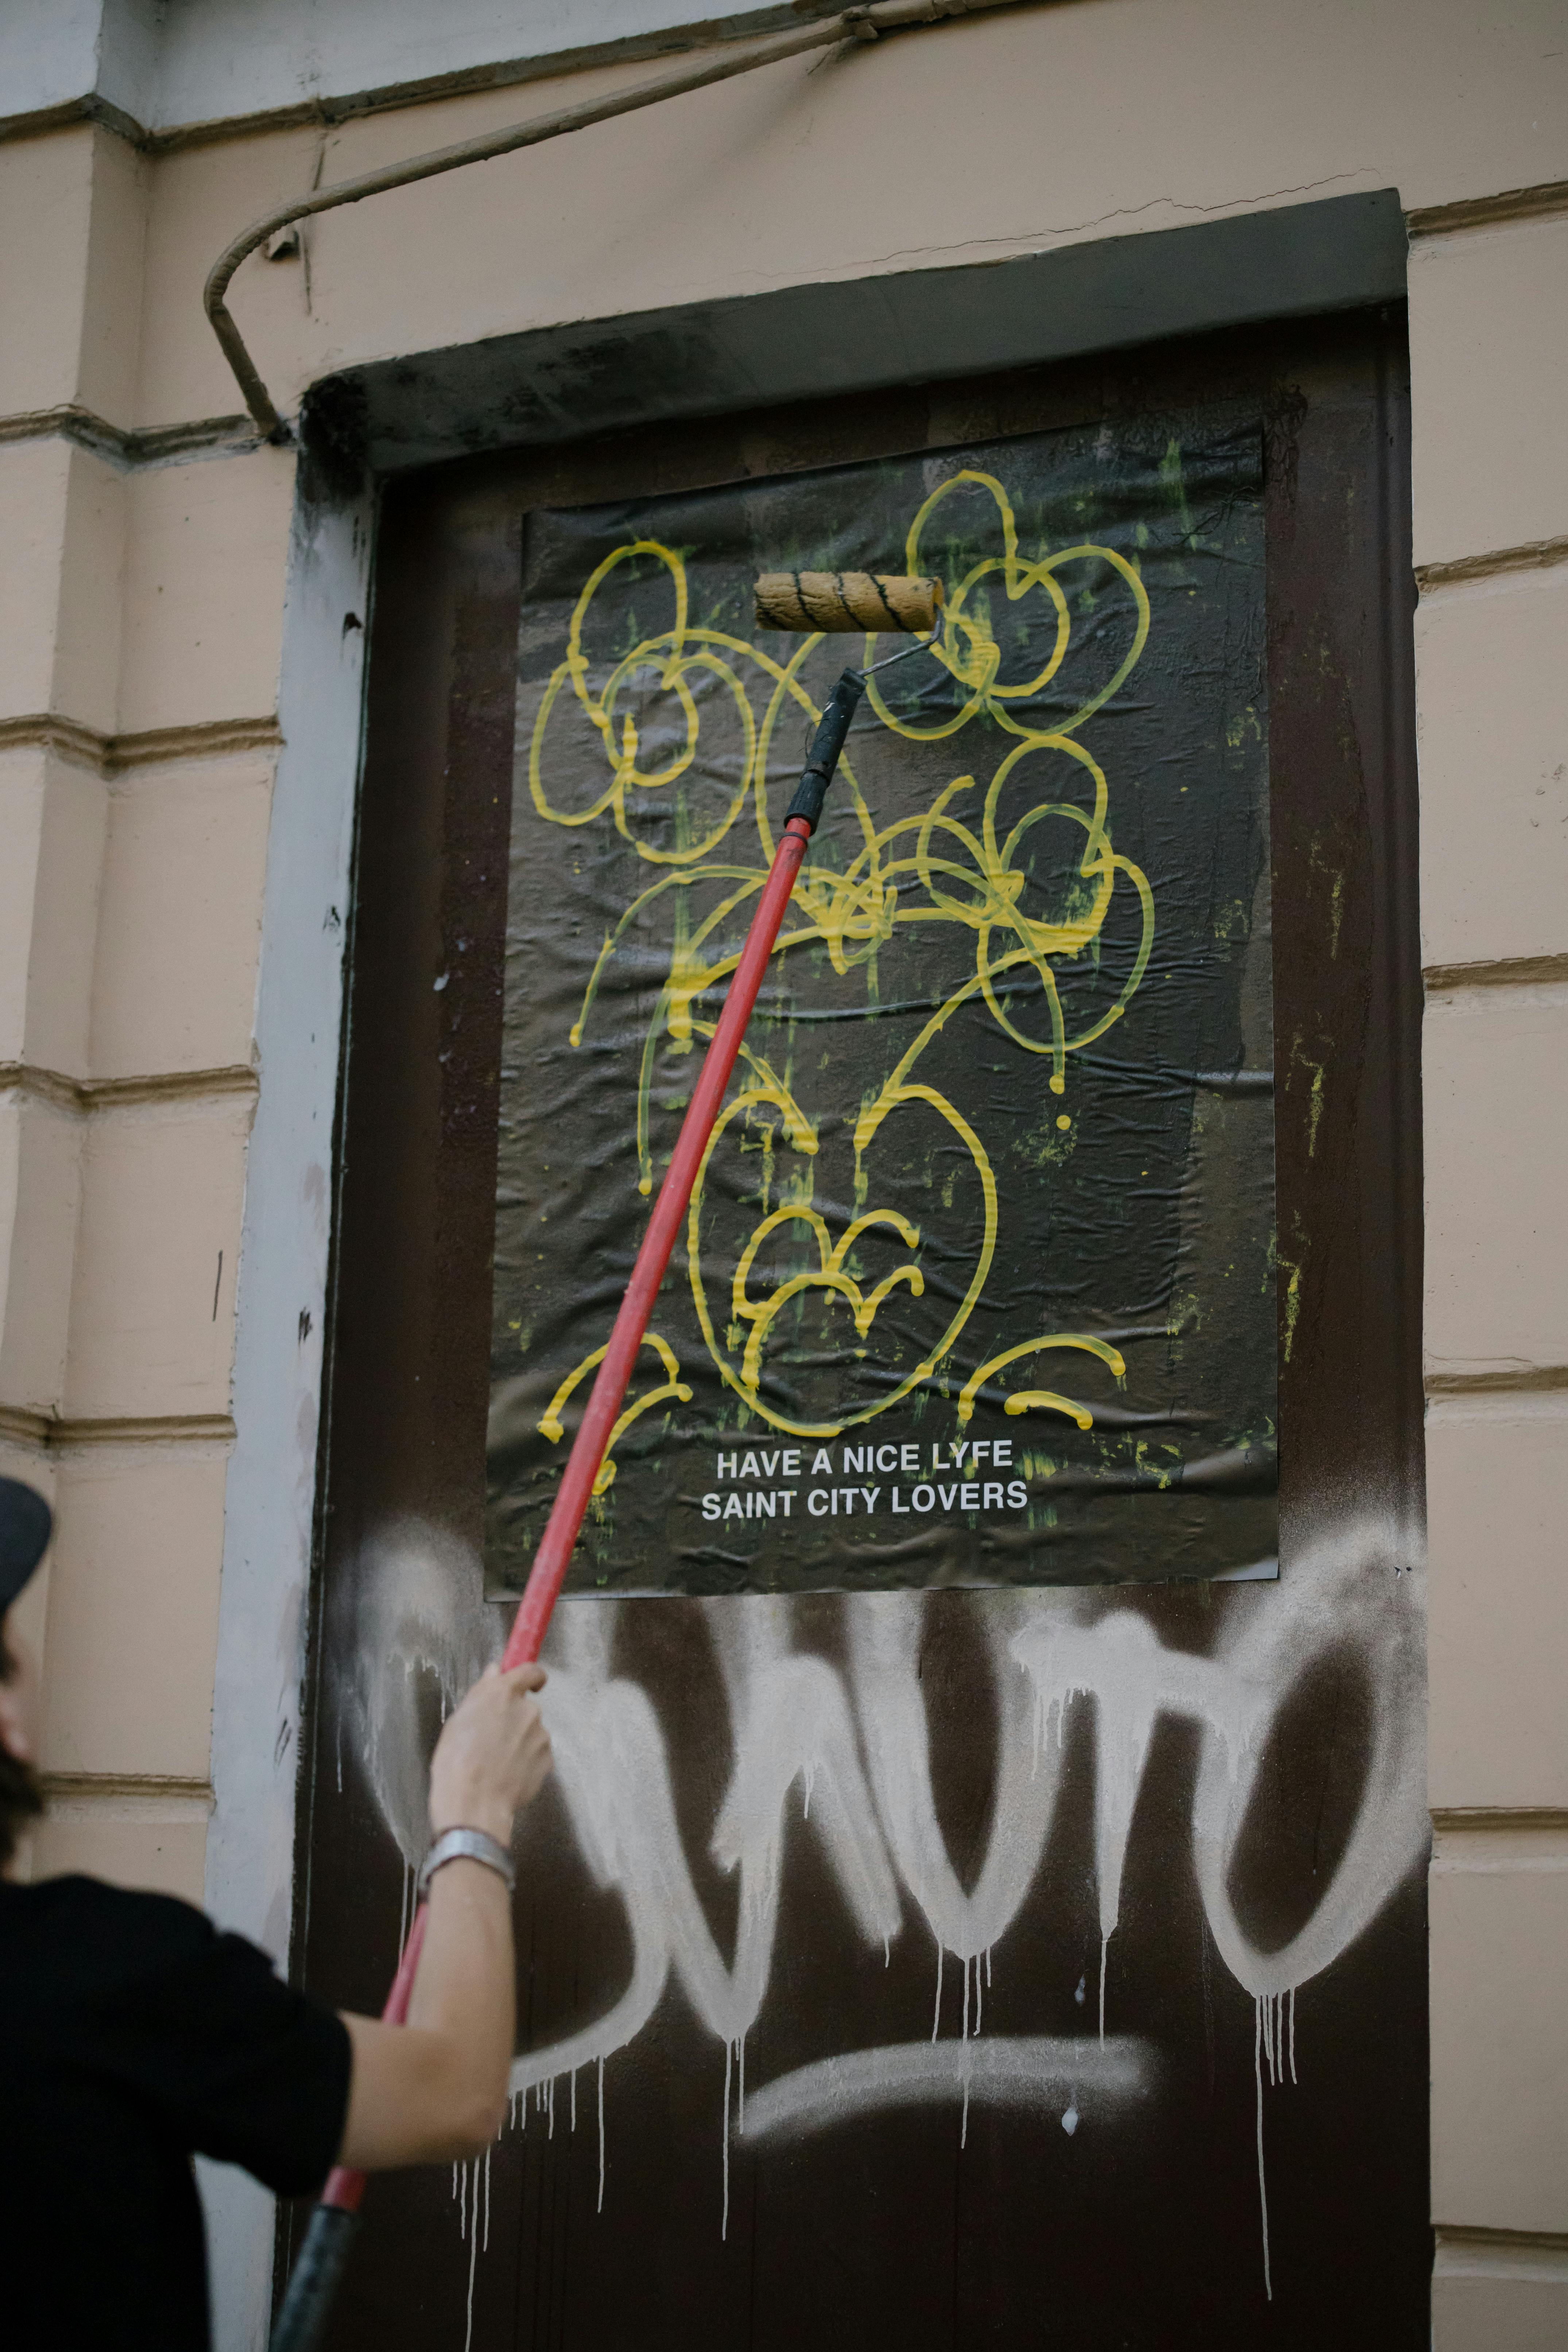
26,1521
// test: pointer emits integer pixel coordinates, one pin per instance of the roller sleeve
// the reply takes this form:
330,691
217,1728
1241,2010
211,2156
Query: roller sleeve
845,602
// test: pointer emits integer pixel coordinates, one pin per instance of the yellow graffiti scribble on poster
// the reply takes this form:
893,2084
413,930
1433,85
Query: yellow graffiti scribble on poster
672,1390
949,866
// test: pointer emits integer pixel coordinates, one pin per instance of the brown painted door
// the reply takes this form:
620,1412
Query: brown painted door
883,1850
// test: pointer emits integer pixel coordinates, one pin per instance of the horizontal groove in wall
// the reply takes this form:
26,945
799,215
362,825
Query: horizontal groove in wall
1499,972
1545,201
67,738
1503,1380
1472,1404
390,98
82,1096
1533,555
1535,2254
153,1811
111,755
1499,1841
1447,1819
69,115
164,444
50,1434
162,1786
204,738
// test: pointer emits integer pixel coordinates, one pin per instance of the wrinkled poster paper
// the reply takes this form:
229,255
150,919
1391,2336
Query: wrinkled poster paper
978,1285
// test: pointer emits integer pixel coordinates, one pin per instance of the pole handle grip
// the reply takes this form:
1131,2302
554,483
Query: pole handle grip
315,2280
826,744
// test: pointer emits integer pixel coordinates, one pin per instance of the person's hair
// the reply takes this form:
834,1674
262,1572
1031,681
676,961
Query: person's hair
21,1797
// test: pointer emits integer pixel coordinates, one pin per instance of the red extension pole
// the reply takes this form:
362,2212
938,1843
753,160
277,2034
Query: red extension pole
564,1525
565,1522
315,2280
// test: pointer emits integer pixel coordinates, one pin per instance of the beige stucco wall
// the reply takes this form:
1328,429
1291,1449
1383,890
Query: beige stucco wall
141,613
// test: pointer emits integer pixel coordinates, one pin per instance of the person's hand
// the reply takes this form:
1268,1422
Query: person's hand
492,1757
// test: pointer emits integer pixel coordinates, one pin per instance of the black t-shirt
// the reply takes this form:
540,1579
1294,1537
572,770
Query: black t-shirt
130,2034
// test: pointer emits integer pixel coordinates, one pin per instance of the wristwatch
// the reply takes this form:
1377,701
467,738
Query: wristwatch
469,1845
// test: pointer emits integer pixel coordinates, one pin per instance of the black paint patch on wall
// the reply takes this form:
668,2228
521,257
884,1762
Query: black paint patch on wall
1003,1133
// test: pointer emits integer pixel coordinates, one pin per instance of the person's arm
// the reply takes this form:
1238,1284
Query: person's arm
434,2090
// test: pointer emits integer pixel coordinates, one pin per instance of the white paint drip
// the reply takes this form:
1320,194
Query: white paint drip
473,2261
1069,2121
1262,2185
466,2189
1273,2047
963,2041
600,2206
1266,2010
724,2215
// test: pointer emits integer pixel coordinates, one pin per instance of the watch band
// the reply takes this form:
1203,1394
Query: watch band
469,1845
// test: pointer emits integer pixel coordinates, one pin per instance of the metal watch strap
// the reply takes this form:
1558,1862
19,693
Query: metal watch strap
469,1845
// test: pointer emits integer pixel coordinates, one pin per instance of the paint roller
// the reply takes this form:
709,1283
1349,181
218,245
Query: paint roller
829,602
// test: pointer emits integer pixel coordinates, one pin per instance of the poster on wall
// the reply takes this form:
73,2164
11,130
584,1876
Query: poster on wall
978,1283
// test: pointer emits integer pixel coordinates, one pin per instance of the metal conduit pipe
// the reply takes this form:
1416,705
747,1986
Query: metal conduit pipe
859,24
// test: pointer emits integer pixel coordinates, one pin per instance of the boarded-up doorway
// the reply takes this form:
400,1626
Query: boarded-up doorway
883,1847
